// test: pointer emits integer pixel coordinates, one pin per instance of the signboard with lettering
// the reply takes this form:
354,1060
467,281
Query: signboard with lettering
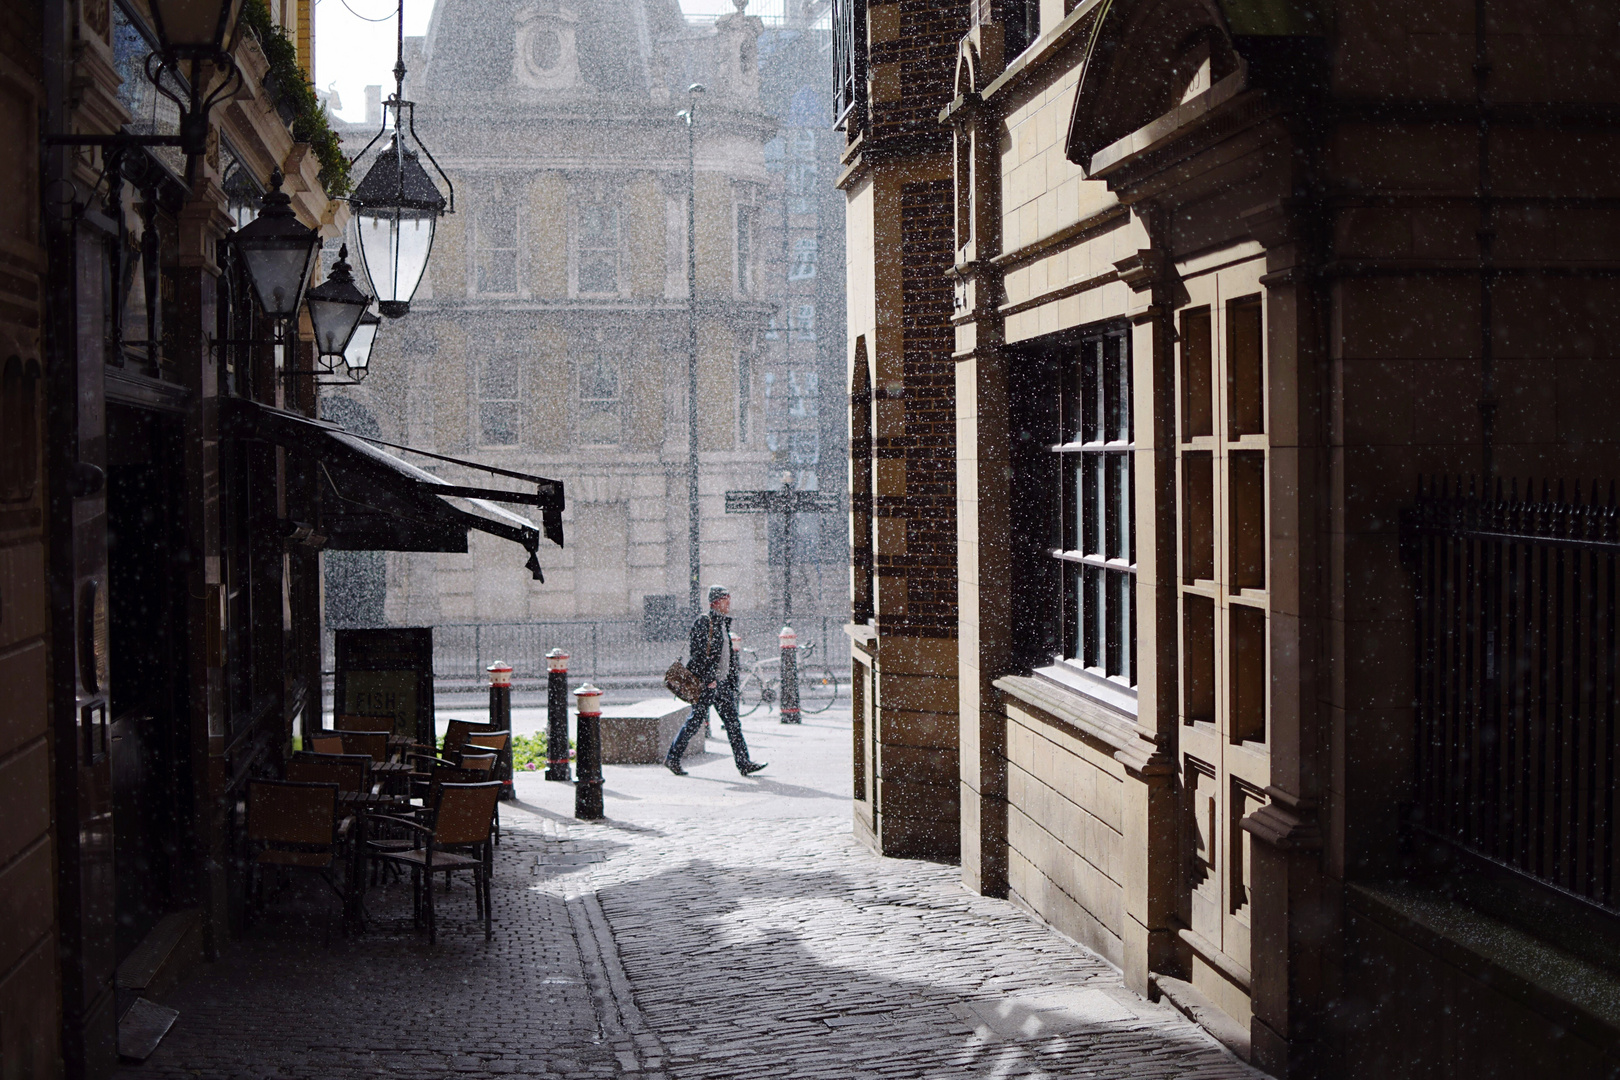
387,673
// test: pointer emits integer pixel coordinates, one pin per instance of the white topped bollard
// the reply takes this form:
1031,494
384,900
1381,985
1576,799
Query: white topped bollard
789,640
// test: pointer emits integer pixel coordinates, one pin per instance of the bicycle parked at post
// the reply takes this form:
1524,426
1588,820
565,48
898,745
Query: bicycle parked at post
818,684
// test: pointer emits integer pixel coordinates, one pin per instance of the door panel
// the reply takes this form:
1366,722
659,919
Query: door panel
1223,466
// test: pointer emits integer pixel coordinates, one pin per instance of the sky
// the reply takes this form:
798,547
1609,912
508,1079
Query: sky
351,52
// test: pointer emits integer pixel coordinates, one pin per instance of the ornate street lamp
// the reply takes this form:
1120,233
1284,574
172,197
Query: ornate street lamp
357,356
396,205
186,30
279,252
192,28
336,307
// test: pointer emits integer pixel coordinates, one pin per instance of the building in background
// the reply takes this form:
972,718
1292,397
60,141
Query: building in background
551,334
802,362
1322,758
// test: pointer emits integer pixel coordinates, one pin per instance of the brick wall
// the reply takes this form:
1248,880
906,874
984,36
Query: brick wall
927,445
911,56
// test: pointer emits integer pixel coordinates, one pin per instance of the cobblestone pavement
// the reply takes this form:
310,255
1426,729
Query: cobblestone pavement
712,927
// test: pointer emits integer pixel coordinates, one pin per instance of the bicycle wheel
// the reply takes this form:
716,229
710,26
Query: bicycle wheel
821,691
751,694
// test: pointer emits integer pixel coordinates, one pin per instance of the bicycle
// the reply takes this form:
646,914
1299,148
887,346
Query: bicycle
818,683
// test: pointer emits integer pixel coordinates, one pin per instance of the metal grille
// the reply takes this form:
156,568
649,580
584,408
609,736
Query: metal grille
1516,667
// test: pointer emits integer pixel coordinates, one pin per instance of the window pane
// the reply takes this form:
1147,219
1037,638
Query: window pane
1113,403
1090,390
498,423
497,272
598,273
1117,505
1091,612
1116,619
1090,506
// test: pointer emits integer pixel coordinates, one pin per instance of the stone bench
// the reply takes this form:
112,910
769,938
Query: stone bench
640,734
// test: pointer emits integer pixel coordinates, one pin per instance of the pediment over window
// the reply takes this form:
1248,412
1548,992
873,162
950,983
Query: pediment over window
1147,57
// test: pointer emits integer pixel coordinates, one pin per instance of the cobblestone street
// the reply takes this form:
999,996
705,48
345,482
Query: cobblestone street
711,927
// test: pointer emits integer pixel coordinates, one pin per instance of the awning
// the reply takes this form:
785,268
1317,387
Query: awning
370,500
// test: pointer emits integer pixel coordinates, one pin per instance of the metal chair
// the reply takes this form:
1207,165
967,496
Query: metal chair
374,744
456,837
326,742
296,826
354,722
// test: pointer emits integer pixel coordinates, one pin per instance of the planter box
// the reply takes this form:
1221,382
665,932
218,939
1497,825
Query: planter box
640,734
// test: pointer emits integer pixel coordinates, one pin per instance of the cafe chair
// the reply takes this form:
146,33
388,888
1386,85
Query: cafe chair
354,722
295,825
374,744
454,837
326,742
350,772
426,787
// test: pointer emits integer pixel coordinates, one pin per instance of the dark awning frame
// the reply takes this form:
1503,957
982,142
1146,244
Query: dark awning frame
374,501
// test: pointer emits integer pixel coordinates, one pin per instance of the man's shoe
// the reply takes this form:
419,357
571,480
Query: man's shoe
751,768
674,766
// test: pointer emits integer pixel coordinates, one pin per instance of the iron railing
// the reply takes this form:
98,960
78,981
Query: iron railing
1516,672
600,650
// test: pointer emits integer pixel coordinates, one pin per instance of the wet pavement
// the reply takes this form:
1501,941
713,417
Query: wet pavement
712,926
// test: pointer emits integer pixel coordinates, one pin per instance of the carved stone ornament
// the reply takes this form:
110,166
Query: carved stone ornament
546,56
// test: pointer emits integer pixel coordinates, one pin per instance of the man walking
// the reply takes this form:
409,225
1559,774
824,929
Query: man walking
714,662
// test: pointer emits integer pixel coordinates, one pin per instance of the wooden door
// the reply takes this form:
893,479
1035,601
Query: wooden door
1222,457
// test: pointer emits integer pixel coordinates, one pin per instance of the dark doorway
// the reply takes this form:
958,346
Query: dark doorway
147,572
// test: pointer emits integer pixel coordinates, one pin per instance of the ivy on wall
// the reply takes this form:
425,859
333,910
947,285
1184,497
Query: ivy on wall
295,97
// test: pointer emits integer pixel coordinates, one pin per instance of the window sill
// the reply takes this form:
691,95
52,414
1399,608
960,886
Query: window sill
1088,714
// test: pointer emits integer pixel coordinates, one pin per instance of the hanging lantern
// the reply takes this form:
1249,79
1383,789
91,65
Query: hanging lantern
279,252
193,27
358,354
396,206
336,308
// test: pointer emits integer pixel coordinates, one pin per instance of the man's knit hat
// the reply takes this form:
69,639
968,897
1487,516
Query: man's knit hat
718,592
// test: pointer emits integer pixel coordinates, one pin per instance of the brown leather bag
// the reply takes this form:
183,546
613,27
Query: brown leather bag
680,681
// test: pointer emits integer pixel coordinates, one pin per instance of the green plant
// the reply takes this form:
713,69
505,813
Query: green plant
529,750
309,123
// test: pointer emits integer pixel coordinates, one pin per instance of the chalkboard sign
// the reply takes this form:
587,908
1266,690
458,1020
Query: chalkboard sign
387,674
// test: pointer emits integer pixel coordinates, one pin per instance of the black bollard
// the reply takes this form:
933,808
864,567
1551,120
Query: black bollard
588,740
500,719
790,675
557,715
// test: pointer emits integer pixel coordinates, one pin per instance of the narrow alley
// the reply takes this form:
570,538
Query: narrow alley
710,927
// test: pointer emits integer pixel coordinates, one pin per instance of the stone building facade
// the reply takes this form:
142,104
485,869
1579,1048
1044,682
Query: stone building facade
551,333
892,78
1228,279
158,631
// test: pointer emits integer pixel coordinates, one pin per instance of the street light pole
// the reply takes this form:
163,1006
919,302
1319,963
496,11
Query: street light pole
694,567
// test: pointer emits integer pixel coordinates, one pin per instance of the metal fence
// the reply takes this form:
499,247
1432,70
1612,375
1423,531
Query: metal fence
1516,673
604,651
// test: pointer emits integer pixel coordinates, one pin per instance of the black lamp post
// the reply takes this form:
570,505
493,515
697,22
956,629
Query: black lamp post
279,252
397,205
694,565
335,310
